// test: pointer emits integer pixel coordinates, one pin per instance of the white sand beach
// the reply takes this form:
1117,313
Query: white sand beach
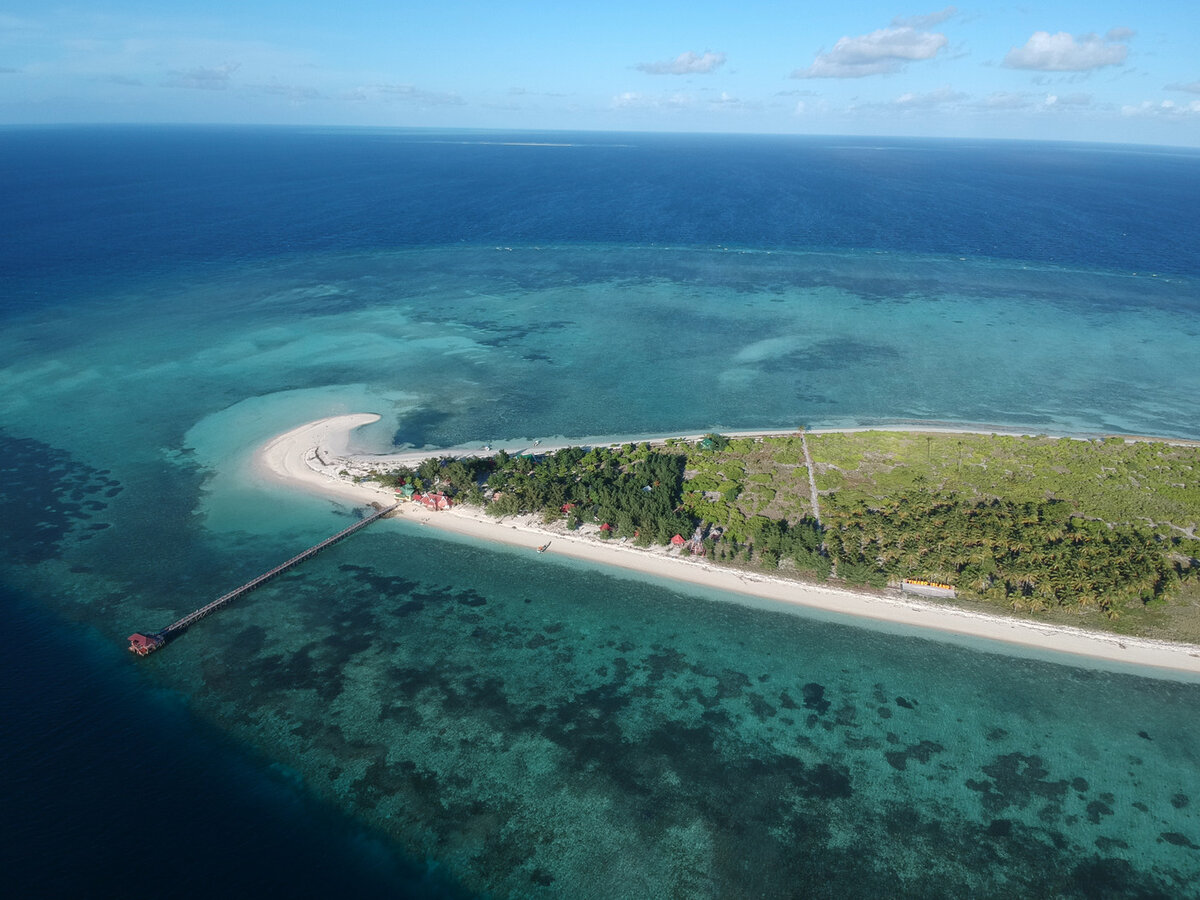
314,456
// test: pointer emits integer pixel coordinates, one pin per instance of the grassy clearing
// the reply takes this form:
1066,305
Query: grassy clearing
1145,483
1109,538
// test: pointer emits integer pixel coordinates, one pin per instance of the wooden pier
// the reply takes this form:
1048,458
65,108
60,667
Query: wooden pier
145,644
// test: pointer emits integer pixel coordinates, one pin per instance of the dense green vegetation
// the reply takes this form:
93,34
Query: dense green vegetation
1030,523
1026,555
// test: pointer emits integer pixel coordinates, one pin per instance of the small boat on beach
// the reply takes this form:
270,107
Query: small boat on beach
544,547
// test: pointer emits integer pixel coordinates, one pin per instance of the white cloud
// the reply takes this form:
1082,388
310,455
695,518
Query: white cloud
1063,52
414,94
526,92
878,53
1076,99
636,100
124,80
1001,100
941,97
688,63
1162,109
292,92
727,102
813,107
1191,87
926,21
204,78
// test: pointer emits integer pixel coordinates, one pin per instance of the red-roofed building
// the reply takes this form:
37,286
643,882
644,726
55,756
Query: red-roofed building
433,500
144,644
678,540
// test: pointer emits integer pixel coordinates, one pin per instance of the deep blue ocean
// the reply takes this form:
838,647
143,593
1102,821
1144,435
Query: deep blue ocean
409,715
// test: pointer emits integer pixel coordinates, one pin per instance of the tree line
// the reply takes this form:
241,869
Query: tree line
1025,554
1028,555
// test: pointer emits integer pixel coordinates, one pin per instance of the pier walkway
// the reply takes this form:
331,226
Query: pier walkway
145,644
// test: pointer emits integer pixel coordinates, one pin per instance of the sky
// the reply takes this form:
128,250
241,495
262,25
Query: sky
1056,69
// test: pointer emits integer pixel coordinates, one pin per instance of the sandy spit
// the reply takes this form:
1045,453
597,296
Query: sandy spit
314,457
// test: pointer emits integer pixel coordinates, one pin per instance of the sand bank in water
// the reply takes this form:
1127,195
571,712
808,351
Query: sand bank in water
313,457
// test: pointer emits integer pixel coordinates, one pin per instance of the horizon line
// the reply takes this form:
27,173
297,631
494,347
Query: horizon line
472,129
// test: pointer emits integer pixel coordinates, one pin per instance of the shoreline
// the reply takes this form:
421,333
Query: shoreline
313,456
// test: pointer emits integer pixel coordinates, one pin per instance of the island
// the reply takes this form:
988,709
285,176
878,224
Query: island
1063,543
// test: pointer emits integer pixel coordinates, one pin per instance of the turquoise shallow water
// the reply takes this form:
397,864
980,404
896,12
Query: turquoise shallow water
532,727
535,724
455,345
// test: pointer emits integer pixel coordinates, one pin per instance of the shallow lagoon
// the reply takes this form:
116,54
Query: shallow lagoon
533,726
439,714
